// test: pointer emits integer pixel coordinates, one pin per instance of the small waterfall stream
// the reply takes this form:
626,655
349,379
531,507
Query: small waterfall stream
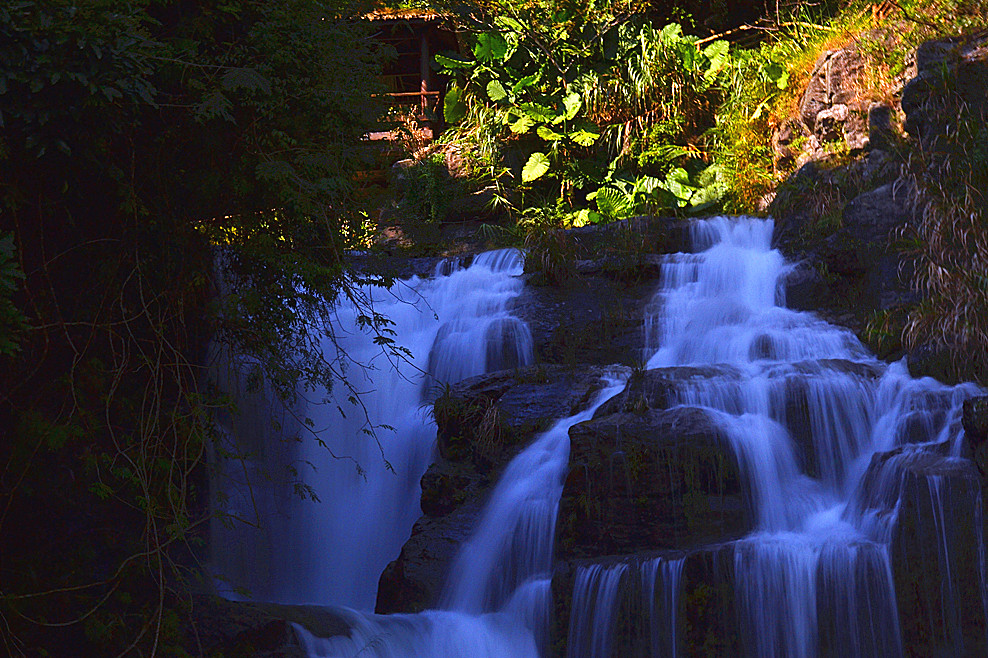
825,436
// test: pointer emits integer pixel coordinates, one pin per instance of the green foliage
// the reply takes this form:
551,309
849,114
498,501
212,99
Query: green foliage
12,320
950,243
426,188
574,92
549,252
536,167
454,107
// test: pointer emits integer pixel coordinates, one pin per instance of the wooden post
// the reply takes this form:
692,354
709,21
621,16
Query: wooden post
424,69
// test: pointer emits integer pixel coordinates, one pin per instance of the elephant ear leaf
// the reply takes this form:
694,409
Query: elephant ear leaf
535,168
490,46
571,105
454,106
614,203
496,91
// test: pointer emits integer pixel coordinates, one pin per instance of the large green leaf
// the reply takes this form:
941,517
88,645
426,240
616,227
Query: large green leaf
454,62
522,125
671,34
490,46
526,82
454,106
496,91
572,105
678,183
584,137
584,133
614,203
509,24
777,74
538,112
535,168
548,134
716,53
585,216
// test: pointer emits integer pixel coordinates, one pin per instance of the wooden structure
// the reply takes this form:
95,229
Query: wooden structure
416,35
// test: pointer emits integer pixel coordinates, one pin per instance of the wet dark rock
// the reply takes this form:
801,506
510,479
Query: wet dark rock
872,216
623,267
448,485
652,389
706,619
651,480
949,73
414,580
975,419
805,288
929,360
707,608
482,423
867,370
261,630
488,418
882,135
936,547
595,319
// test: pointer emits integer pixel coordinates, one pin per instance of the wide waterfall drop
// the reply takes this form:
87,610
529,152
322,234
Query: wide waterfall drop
848,473
361,453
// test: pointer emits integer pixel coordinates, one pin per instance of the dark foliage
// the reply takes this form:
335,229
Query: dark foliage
155,153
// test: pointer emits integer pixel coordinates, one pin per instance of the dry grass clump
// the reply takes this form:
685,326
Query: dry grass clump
950,245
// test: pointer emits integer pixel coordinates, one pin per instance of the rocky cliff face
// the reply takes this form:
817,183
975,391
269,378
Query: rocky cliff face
853,194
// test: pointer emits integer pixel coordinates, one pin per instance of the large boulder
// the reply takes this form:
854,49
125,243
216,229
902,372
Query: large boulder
258,630
488,418
482,423
974,417
648,480
414,580
656,388
950,73
593,319
872,217
832,111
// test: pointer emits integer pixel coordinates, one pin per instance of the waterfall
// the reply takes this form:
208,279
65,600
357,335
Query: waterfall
662,613
366,483
593,610
838,452
818,550
514,539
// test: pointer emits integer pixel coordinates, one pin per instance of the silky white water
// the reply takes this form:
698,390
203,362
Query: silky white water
808,558
498,597
804,418
362,452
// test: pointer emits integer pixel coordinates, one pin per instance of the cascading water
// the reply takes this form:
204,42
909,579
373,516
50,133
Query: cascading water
811,562
333,551
592,616
826,437
498,597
